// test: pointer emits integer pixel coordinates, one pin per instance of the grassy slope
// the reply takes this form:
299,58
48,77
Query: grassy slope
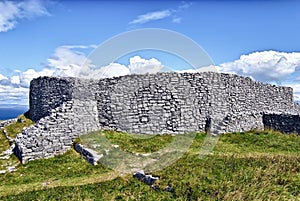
244,166
12,131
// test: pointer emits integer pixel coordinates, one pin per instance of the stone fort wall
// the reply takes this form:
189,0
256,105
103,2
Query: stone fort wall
64,108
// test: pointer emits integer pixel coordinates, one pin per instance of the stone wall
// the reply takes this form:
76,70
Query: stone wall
47,93
71,111
283,123
177,103
64,108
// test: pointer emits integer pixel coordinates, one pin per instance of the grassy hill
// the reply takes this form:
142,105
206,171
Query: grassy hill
254,165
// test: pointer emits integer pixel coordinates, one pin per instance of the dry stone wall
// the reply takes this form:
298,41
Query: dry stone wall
48,93
69,113
64,108
282,122
176,103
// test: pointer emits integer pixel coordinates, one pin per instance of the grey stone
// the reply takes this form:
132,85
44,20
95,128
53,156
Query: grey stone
65,108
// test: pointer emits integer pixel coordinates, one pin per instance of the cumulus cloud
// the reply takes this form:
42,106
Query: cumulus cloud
12,11
161,14
15,79
266,66
65,61
137,65
15,89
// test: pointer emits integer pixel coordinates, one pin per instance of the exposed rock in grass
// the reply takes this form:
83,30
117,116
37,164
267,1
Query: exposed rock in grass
90,155
147,179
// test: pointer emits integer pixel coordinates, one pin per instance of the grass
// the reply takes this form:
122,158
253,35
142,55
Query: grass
127,142
16,128
254,165
4,143
12,131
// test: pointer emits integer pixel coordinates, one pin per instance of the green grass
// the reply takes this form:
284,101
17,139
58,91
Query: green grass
4,143
12,131
254,165
127,142
16,128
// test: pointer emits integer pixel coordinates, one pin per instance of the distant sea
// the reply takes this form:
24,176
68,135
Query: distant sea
12,111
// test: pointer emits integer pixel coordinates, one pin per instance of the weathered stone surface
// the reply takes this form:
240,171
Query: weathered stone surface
90,155
282,122
147,179
65,108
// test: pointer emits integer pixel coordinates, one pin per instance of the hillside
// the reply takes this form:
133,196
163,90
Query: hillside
252,165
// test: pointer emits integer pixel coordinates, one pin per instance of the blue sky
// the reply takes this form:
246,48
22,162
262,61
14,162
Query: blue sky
252,38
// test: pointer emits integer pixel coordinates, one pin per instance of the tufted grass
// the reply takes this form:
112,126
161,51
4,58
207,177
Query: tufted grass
254,165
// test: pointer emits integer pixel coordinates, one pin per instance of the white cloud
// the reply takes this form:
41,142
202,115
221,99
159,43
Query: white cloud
32,8
139,65
267,66
12,11
65,61
183,6
10,94
177,20
28,75
2,77
157,15
8,12
111,70
161,14
15,79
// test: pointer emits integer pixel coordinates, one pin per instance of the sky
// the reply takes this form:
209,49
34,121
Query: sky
259,39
